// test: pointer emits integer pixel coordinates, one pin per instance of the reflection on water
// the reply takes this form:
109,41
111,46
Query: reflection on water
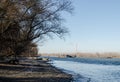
96,72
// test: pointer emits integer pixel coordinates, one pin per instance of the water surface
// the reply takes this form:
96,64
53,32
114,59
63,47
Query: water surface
95,70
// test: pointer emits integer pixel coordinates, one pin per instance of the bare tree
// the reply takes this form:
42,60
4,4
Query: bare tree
25,21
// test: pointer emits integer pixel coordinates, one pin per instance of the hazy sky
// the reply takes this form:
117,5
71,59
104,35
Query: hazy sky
94,27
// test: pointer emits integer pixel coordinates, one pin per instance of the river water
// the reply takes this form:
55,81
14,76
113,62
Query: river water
90,69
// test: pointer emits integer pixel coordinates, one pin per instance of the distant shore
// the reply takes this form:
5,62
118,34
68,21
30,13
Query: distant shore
30,70
86,55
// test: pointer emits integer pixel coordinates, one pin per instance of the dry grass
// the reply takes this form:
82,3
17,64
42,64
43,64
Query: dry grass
91,55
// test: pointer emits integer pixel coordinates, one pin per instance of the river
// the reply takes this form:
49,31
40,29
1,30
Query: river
90,69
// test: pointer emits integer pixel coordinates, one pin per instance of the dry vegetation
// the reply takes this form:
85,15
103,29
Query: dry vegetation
25,22
91,55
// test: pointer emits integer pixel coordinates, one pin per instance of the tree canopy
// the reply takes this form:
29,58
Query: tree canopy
24,21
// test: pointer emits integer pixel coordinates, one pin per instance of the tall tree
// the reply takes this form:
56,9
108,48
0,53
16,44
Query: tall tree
24,21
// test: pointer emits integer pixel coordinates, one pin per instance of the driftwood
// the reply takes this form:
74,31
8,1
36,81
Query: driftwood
13,61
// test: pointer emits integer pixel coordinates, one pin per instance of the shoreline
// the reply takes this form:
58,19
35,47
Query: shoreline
83,54
76,77
30,70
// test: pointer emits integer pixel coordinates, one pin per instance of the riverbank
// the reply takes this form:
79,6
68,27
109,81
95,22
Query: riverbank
30,70
83,55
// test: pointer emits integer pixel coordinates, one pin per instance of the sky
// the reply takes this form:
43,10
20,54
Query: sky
94,27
